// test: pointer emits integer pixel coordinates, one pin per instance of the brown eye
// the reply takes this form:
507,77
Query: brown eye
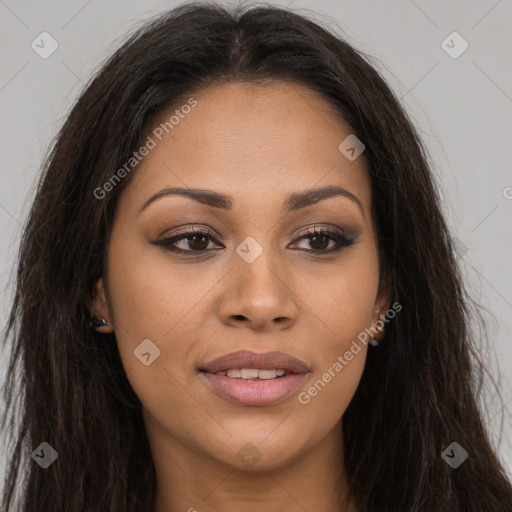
319,240
193,241
198,242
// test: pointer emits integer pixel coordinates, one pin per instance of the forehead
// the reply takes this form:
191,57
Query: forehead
252,141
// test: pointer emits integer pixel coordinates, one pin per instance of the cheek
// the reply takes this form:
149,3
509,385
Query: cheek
342,310
152,295
345,312
344,298
151,300
157,299
330,389
158,302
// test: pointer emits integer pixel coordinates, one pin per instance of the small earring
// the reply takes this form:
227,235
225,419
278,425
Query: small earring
374,341
95,322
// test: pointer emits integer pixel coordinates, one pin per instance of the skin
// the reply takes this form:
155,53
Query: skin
257,143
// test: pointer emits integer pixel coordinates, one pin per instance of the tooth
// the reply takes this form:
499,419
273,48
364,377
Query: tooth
249,373
252,373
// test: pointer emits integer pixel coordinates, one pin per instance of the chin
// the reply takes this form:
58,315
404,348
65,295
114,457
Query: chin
259,453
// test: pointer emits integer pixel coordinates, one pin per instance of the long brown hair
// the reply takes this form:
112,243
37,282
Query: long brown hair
66,384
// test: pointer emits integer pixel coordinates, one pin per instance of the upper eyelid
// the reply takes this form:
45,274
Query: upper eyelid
311,229
302,234
208,231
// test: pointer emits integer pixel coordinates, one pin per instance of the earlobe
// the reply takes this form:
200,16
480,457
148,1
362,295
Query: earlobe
383,301
100,314
101,325
382,305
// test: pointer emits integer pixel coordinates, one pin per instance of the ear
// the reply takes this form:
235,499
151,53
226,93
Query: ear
382,304
100,309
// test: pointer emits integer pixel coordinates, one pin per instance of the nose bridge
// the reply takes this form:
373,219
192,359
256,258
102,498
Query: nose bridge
257,267
258,291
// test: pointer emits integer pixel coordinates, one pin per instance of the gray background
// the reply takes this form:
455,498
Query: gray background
462,107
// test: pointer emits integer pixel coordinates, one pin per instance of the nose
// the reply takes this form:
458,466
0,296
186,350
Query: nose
259,295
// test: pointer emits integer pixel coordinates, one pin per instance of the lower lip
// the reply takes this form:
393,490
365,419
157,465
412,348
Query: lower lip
255,392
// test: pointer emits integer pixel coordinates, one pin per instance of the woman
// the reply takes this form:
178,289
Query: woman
236,290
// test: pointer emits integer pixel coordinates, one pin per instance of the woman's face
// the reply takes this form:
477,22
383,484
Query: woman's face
251,280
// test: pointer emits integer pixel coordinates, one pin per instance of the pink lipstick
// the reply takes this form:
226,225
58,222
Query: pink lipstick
255,379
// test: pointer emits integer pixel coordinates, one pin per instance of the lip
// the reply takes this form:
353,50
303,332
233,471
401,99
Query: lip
262,361
255,392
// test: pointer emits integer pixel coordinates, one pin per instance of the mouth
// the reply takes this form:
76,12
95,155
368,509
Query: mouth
253,379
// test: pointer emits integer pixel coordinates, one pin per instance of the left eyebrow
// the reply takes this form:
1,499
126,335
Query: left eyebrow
293,202
208,197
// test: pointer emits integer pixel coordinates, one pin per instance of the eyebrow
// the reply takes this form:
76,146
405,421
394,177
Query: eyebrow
293,202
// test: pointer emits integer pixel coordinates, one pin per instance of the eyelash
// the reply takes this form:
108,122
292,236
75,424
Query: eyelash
342,240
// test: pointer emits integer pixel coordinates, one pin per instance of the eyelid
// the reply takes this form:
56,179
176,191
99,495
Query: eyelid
202,229
335,233
326,227
167,241
187,228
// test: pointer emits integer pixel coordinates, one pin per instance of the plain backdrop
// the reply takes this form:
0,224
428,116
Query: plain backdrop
459,98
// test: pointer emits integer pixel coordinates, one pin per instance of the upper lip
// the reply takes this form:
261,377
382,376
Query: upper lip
264,361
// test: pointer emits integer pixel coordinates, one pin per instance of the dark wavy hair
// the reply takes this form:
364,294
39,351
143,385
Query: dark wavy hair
66,385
